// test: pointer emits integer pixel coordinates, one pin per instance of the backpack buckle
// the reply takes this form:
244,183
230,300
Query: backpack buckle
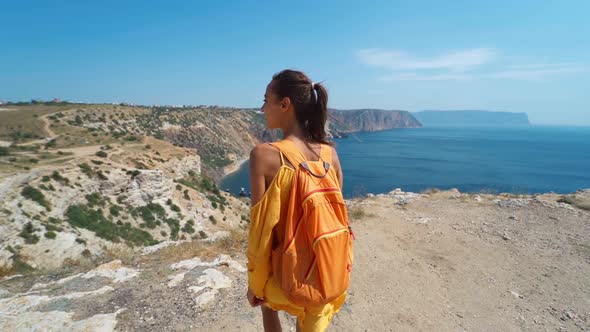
326,167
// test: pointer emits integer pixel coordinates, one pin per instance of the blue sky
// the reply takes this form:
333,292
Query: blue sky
518,56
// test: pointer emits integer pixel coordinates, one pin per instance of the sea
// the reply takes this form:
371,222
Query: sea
519,160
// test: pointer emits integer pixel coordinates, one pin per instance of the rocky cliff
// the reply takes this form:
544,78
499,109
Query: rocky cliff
349,121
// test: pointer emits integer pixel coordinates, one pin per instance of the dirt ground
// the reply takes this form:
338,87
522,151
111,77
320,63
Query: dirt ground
439,262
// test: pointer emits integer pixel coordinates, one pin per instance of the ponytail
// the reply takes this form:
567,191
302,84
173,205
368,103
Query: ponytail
310,101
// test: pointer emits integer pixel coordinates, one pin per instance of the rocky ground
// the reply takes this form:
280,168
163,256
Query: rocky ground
442,261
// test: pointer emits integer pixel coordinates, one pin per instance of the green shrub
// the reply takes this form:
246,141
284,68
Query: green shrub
212,219
54,220
84,217
150,213
203,234
35,195
174,225
80,240
27,233
50,227
50,235
115,210
101,176
97,162
51,144
188,228
95,199
86,169
45,178
4,151
101,154
175,208
57,177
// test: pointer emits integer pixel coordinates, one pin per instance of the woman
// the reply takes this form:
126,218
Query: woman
298,107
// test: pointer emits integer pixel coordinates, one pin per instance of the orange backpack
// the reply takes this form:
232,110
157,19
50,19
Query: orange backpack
313,264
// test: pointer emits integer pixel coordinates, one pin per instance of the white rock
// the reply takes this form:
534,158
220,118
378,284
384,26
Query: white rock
58,282
5,257
52,253
58,321
205,298
218,236
181,167
112,270
17,305
4,293
12,277
196,289
423,220
214,279
175,279
148,186
152,249
190,264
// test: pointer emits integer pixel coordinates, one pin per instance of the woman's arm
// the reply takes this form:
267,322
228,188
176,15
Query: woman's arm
257,173
337,168
263,160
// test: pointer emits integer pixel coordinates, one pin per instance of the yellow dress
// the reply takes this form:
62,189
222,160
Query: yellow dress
264,217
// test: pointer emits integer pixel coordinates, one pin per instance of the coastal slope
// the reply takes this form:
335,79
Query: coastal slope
359,120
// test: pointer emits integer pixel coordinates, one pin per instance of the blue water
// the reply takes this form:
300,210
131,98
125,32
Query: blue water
531,159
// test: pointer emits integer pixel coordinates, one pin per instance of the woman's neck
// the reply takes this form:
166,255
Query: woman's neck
294,132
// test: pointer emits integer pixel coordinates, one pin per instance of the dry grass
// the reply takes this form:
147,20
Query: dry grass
6,271
357,213
430,191
122,252
26,118
580,203
235,242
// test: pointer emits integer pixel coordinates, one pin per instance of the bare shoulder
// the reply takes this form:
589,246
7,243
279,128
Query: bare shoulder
335,155
262,151
264,155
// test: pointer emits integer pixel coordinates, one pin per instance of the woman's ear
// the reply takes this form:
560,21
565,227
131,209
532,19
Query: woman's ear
285,103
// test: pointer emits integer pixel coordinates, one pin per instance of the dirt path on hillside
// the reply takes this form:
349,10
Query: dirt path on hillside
47,125
49,134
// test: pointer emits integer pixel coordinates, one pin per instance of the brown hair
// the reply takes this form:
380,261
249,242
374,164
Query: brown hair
310,101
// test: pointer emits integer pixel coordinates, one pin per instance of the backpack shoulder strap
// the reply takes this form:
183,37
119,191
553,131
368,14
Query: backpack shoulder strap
326,153
290,151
